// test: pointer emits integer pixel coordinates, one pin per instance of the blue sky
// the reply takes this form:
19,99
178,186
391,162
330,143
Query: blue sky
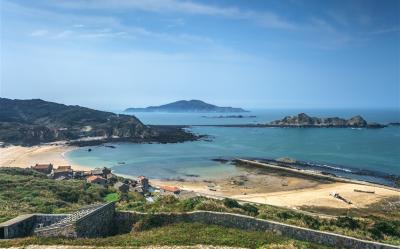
113,54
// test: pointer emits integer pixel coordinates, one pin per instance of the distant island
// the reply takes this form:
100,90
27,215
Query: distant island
230,116
186,106
35,121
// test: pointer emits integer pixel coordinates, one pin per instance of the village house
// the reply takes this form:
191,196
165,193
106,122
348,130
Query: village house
144,183
138,189
111,178
101,172
96,180
79,174
43,168
169,190
123,187
65,172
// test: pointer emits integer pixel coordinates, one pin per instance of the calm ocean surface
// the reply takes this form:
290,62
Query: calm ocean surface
354,149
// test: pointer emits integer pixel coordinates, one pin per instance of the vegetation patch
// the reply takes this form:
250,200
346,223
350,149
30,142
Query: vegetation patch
176,235
26,191
369,228
111,197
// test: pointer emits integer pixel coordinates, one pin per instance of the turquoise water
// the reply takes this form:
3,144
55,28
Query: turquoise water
368,149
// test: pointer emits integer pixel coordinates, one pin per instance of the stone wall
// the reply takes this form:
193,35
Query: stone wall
24,225
124,222
68,231
105,221
98,223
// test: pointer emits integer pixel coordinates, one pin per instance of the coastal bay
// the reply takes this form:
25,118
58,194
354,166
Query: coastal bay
250,185
191,165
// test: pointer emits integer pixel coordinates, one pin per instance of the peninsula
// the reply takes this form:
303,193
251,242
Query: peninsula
35,121
187,106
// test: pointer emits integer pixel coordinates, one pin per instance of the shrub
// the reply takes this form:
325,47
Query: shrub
191,203
166,200
230,203
311,222
250,209
285,215
382,228
148,222
347,222
210,205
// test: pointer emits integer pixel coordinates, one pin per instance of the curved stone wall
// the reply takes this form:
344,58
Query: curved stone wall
124,222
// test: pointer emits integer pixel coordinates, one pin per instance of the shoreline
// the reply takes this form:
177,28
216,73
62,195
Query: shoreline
24,157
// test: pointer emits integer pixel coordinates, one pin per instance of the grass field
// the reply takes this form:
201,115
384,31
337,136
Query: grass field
178,234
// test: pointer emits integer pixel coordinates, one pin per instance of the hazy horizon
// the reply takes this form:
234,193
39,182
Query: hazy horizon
112,55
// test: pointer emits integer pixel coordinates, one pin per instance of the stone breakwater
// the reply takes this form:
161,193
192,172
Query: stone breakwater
103,220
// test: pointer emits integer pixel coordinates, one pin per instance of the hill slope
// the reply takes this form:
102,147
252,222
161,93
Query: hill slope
36,121
186,106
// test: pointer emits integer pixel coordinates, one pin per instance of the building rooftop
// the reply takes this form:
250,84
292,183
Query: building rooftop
42,166
62,170
64,167
93,178
170,188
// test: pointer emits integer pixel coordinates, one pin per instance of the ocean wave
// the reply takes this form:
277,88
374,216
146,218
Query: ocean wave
338,168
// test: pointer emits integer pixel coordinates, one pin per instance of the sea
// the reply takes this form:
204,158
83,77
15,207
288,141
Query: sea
365,154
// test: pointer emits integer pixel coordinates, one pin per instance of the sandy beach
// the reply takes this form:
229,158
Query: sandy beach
287,190
23,157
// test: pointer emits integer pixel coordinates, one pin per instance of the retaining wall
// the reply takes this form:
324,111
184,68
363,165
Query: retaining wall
98,223
124,222
24,225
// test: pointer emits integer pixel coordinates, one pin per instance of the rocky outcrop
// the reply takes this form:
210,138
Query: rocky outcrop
303,120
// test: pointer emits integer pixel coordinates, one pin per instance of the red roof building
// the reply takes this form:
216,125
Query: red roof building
96,179
43,168
171,189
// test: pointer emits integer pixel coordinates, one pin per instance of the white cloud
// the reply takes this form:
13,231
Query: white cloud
267,19
78,26
73,26
39,32
64,34
385,31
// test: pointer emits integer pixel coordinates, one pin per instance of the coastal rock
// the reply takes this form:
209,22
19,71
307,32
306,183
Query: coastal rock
303,120
357,121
